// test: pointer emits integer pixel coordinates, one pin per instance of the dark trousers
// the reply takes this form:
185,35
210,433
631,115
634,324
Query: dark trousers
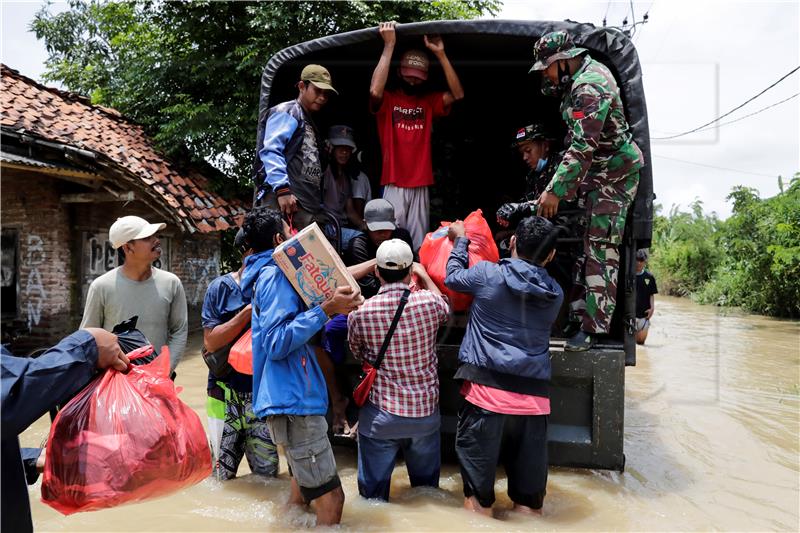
485,439
377,457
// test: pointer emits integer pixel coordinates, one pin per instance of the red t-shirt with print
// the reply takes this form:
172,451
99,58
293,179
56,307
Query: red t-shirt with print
404,128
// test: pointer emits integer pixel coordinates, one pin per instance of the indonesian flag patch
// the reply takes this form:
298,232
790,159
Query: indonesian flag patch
578,115
521,133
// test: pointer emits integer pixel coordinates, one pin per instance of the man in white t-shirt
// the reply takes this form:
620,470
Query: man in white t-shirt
137,288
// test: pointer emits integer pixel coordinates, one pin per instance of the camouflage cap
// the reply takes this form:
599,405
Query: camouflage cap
552,47
319,76
533,132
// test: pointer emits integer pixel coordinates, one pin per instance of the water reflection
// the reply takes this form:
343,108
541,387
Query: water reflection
711,442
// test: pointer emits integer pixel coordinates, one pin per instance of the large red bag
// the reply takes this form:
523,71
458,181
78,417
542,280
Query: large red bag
436,250
123,439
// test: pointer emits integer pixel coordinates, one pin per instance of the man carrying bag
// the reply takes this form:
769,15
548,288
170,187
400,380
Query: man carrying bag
398,341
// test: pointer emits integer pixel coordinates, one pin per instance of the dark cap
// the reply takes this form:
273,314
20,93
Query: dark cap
534,132
379,215
319,76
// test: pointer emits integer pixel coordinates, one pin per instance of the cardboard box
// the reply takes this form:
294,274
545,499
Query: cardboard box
313,266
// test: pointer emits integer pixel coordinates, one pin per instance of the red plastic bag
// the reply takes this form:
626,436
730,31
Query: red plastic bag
362,390
436,250
241,355
123,439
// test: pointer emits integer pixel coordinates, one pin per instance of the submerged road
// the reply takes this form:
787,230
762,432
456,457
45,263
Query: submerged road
712,432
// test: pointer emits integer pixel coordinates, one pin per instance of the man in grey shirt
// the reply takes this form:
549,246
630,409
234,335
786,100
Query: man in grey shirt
137,288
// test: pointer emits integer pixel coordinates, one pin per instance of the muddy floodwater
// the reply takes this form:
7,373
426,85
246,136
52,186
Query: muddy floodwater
711,438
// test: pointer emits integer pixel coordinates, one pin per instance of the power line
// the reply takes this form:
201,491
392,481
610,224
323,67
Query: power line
608,5
795,95
698,128
715,167
633,18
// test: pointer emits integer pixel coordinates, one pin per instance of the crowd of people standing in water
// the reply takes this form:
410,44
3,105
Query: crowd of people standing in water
392,321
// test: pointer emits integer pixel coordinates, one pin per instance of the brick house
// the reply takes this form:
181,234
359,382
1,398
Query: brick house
68,169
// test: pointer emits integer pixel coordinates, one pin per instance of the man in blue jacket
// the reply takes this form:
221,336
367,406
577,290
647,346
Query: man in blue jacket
288,385
291,159
504,362
30,387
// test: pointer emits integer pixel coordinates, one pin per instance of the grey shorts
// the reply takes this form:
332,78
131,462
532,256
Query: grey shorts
308,452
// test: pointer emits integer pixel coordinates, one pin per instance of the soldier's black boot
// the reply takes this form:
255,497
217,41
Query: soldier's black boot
580,342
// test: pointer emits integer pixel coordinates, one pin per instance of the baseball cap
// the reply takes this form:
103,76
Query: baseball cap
379,215
129,228
319,76
341,135
394,254
641,255
414,63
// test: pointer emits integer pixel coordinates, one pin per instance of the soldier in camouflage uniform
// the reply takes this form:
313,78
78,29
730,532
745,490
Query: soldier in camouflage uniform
533,144
602,162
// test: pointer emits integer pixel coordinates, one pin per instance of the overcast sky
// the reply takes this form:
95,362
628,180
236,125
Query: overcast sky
700,58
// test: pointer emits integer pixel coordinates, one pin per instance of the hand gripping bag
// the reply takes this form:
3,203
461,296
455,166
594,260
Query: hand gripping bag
124,438
436,250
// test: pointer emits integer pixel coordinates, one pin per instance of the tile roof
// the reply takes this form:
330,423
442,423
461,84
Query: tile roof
69,119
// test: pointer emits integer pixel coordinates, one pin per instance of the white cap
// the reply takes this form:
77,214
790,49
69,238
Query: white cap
394,254
129,228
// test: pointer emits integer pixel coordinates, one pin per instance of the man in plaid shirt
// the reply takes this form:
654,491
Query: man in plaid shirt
402,412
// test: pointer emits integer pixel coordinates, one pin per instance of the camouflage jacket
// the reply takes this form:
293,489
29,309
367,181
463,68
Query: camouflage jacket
600,149
536,182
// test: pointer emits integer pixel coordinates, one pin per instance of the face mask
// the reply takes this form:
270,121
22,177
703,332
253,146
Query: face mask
412,90
541,164
548,88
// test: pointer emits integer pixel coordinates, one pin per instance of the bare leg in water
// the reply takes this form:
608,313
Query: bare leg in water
329,507
471,504
524,509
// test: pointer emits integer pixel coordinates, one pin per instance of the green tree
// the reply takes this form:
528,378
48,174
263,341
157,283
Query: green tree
189,71
761,245
686,250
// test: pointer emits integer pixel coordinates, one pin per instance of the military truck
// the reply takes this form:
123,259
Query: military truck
475,168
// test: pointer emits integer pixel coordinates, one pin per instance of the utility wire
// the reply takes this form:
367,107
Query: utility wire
715,167
633,18
795,95
698,128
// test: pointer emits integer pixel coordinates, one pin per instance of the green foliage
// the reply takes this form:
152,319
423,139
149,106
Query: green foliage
189,71
686,251
751,260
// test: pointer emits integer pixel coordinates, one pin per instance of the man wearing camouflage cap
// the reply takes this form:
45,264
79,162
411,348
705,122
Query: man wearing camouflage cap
601,161
290,153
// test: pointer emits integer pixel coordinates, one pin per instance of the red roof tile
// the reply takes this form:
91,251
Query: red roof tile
70,119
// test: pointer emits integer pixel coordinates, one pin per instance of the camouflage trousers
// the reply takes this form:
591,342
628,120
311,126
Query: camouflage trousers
595,273
242,435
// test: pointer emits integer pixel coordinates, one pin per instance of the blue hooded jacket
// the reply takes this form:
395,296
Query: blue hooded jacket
507,341
287,379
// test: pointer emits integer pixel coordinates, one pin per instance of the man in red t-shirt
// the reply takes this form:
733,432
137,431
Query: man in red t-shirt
404,118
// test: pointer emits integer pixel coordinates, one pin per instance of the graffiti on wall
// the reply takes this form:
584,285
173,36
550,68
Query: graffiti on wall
200,272
34,289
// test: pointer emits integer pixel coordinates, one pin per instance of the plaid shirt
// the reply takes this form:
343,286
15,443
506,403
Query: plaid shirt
408,381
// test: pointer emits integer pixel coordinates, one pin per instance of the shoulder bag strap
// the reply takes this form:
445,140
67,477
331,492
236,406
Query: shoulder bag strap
395,320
